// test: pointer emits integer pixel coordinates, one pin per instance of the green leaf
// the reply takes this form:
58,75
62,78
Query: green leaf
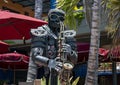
76,81
43,81
71,21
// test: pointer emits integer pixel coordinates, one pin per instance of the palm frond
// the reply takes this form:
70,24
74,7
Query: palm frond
113,23
76,81
68,7
43,81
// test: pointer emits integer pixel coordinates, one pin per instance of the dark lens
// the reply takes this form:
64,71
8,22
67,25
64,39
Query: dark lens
62,18
53,17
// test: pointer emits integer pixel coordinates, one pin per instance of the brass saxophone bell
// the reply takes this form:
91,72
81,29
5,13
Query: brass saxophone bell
68,66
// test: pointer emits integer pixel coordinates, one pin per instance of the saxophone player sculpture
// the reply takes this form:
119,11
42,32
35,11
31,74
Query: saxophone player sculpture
52,47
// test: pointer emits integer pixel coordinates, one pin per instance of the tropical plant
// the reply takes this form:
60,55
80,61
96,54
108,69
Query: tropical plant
75,81
43,81
112,11
73,17
3,82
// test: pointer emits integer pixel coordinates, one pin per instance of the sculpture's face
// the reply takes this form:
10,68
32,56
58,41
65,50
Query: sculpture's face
55,18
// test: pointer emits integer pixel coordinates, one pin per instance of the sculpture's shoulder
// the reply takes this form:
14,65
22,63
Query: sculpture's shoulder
40,31
69,33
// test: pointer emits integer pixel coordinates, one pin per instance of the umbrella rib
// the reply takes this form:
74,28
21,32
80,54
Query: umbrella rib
12,22
19,32
9,22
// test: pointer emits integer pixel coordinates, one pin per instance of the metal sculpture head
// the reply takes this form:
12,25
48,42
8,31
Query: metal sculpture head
55,16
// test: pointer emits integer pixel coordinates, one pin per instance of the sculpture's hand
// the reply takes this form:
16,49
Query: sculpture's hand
66,48
57,65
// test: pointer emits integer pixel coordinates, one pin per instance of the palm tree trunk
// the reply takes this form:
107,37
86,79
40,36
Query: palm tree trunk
88,11
32,69
92,69
38,9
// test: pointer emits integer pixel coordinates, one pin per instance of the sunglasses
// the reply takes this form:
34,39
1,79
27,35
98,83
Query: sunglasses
56,17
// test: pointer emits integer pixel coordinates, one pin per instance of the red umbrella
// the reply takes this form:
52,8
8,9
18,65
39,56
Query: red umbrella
4,47
83,51
14,61
17,26
115,53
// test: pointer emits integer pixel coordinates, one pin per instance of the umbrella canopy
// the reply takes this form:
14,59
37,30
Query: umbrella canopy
4,47
17,26
115,51
83,51
14,61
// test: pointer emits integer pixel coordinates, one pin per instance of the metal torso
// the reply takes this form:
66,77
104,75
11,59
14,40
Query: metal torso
51,51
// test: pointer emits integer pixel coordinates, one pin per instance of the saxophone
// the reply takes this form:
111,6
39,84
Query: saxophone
67,66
